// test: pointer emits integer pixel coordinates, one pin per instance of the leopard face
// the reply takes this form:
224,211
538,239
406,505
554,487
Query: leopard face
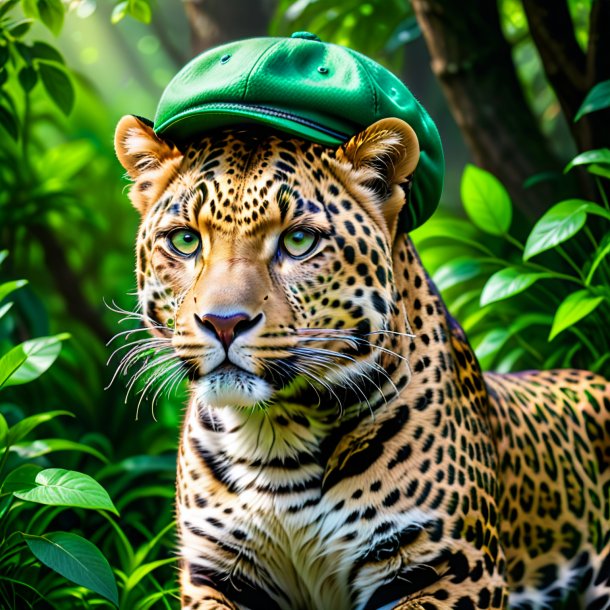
266,260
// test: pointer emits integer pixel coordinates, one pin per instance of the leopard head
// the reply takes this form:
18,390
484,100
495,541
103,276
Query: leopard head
266,260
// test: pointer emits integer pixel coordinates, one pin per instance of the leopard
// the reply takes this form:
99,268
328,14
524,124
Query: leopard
342,448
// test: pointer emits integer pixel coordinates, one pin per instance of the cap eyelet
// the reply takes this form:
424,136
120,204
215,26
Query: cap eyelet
323,70
225,58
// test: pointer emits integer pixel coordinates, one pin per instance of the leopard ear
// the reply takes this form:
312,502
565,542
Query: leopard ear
150,161
384,156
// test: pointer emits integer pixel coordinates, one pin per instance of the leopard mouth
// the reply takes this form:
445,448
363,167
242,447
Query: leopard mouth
230,385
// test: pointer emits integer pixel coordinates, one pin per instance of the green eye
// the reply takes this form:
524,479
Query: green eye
299,242
184,242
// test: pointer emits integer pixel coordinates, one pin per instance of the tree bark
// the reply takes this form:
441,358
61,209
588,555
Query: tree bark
570,71
473,62
215,22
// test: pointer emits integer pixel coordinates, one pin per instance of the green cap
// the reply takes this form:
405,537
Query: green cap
318,91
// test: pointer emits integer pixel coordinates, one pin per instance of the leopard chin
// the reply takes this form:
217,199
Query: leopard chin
231,386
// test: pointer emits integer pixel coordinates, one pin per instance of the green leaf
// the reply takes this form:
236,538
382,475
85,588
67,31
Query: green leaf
20,28
3,430
598,155
52,14
23,478
557,225
597,99
27,78
457,271
3,256
599,170
59,487
8,287
573,309
42,50
4,55
9,123
10,362
58,85
6,6
40,447
119,12
139,573
76,559
40,355
508,282
21,429
486,201
140,10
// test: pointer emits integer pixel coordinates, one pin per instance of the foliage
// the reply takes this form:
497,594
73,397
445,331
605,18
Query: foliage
34,497
538,304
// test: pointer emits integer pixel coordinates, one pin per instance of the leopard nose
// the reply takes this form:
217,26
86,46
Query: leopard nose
226,328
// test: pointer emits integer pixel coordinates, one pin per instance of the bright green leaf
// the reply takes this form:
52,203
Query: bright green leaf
599,170
3,431
557,225
599,155
10,362
76,559
4,309
140,10
573,309
23,478
597,99
486,201
58,85
30,8
40,355
119,12
8,287
456,272
21,429
59,487
508,282
3,256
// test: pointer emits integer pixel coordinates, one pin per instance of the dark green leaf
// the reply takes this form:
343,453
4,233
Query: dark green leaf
8,121
557,225
42,50
59,487
22,478
457,271
3,76
40,355
21,429
27,78
599,155
597,99
509,282
4,55
20,28
58,85
573,309
77,560
486,201
52,14
407,31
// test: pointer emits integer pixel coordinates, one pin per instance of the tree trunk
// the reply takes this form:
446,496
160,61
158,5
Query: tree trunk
570,71
214,22
473,62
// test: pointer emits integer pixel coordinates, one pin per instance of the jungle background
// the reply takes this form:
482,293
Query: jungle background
520,91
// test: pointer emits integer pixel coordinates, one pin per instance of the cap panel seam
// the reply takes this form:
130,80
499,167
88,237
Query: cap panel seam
257,62
369,80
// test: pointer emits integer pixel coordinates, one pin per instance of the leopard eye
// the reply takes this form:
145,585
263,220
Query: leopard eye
299,242
184,241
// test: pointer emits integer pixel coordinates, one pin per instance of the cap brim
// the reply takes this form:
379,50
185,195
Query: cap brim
199,119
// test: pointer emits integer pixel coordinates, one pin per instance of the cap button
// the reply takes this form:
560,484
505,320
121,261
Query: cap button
305,36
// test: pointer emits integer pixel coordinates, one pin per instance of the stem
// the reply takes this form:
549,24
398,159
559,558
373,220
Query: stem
4,459
515,242
556,274
600,187
570,262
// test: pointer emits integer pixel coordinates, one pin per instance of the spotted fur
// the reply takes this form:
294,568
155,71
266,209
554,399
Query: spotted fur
354,456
